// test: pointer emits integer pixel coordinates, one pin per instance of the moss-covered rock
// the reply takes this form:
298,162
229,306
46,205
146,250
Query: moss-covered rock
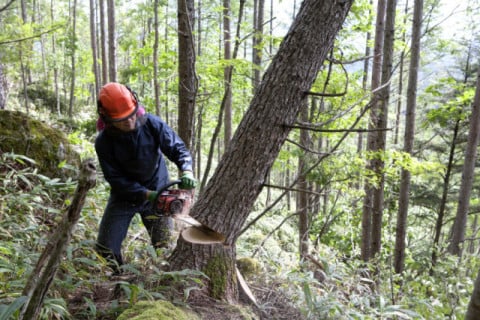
156,310
49,147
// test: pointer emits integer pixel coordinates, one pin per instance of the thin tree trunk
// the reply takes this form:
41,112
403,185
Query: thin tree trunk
384,94
222,106
227,55
443,202
187,84
72,59
257,41
460,224
366,67
42,276
156,85
112,44
3,88
55,66
302,197
400,80
104,45
93,42
366,247
399,259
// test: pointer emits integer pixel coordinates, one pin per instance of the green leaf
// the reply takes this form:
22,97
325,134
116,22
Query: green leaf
6,311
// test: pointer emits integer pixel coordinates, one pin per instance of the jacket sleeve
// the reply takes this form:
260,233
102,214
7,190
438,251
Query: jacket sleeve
121,185
172,146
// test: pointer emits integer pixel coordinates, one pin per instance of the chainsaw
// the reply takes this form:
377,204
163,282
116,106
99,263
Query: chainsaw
175,203
171,202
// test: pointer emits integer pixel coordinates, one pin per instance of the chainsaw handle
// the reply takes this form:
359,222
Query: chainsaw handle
168,185
163,188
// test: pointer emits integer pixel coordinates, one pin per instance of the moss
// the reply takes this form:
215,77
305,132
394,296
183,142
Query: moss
34,139
248,267
156,310
216,270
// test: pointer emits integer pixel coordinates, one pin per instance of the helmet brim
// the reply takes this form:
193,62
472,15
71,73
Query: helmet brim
124,117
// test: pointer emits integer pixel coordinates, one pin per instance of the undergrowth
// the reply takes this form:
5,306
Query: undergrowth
329,286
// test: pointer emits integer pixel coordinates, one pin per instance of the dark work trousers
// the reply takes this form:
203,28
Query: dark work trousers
114,226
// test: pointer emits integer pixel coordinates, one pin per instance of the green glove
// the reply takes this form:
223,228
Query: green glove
188,181
152,196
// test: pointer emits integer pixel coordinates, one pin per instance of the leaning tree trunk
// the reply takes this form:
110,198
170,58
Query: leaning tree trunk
42,276
229,196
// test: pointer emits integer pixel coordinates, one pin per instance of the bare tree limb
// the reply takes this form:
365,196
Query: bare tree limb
47,265
31,37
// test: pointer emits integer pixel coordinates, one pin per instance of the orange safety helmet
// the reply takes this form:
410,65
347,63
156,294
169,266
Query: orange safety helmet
116,102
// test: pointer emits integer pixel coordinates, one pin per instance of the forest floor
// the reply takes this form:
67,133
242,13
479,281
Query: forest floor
109,301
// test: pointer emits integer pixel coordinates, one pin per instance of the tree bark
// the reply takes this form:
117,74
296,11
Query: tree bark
302,196
404,197
93,42
42,276
400,78
460,224
227,56
187,83
231,192
473,309
103,41
112,43
3,87
72,59
257,48
443,202
156,85
381,135
366,247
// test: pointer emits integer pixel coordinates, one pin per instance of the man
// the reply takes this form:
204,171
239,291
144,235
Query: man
130,150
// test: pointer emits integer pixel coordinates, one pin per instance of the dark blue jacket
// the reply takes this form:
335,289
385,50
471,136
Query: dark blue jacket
132,162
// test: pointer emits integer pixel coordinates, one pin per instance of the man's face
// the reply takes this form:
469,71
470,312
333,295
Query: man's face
127,124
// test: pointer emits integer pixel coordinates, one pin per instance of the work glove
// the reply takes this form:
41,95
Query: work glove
152,196
187,180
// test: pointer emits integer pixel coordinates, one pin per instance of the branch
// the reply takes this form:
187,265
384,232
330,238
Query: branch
319,94
5,7
273,231
31,37
312,127
323,94
334,148
350,61
224,100
292,189
305,148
